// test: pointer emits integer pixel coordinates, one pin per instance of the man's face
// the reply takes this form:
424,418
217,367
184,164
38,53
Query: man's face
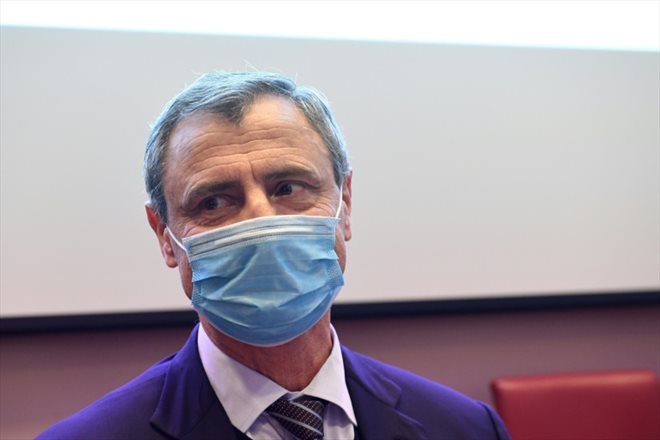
218,173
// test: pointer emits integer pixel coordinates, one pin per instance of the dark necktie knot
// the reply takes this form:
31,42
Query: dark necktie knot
302,417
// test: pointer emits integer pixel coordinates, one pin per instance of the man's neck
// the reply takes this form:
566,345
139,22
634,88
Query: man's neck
292,365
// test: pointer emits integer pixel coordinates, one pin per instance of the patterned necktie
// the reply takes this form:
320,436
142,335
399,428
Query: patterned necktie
302,417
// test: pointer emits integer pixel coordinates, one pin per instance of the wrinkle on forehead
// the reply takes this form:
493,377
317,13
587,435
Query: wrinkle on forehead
268,120
266,113
219,148
235,165
227,145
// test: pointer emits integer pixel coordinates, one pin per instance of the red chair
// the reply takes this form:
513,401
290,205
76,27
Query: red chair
614,405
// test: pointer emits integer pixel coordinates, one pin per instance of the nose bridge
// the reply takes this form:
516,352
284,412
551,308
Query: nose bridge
257,203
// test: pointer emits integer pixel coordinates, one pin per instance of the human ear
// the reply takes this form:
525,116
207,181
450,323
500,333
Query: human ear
163,234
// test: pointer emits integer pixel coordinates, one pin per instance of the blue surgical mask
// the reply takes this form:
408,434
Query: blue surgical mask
267,280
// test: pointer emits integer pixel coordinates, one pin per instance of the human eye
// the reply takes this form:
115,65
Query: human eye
288,189
213,209
213,203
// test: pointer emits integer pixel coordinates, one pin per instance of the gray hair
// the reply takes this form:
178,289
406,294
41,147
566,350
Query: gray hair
228,95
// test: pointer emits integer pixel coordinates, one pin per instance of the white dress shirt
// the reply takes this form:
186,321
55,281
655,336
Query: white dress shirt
245,394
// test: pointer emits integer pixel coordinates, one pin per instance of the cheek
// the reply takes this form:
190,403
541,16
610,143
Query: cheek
340,250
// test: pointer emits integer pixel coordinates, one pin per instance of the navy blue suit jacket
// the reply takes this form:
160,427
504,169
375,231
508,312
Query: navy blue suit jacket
174,400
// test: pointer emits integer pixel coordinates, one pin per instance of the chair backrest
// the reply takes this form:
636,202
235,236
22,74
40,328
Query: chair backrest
609,405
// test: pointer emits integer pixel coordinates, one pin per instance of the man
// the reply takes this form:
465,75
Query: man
250,198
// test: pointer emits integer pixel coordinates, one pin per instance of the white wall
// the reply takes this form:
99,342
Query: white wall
479,171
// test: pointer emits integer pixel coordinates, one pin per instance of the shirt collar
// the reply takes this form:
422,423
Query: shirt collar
245,394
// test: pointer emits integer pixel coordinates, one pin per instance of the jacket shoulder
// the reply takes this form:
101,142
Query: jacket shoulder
430,403
122,413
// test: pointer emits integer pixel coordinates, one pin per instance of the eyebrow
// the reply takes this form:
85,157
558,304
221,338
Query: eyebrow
285,172
288,171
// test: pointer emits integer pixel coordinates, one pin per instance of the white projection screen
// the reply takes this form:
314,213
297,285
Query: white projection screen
479,172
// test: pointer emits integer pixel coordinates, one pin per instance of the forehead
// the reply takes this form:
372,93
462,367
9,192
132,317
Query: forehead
272,128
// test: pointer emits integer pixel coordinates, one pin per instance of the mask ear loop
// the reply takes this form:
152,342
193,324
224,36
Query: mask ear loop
178,243
341,199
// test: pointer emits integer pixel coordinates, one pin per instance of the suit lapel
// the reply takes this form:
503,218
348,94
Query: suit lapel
188,408
374,399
